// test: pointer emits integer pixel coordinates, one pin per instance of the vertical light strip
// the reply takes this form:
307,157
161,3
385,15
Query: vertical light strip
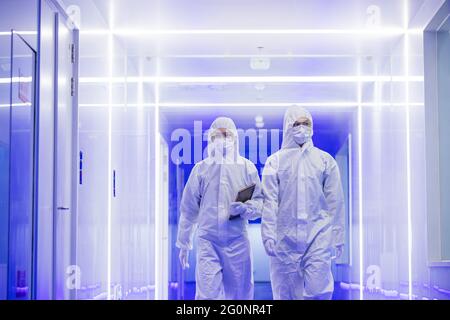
158,221
350,198
110,102
157,191
159,281
360,186
408,145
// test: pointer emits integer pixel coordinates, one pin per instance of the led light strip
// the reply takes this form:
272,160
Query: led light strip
159,281
282,104
408,147
244,79
23,33
115,105
350,199
249,105
16,80
27,104
208,80
260,55
157,32
360,190
158,230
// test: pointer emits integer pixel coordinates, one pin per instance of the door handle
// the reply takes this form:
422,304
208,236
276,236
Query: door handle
63,208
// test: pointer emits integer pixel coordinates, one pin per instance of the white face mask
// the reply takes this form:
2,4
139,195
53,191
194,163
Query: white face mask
302,134
223,146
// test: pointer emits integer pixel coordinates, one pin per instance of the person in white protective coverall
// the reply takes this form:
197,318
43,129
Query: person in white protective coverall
303,215
224,263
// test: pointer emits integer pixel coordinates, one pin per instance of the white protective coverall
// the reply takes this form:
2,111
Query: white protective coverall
224,262
303,216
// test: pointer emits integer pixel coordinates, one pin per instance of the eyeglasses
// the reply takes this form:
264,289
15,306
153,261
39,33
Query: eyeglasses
222,134
306,123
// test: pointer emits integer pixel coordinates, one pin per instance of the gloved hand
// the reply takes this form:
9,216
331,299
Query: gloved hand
339,250
184,258
269,245
237,208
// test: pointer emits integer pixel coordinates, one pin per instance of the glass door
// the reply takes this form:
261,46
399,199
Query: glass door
5,73
21,170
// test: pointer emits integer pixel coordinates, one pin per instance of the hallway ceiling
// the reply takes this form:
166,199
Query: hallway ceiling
134,21
312,38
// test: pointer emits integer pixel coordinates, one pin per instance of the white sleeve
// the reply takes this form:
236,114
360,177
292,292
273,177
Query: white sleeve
334,195
189,209
270,188
257,201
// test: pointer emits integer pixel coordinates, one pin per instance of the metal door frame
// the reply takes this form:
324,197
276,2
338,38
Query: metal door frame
432,135
59,12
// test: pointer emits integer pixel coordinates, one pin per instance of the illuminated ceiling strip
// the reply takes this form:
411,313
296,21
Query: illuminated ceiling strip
284,104
249,104
155,32
28,104
287,79
23,33
248,56
244,79
114,105
16,80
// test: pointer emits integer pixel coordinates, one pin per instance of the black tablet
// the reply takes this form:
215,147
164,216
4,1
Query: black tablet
244,195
